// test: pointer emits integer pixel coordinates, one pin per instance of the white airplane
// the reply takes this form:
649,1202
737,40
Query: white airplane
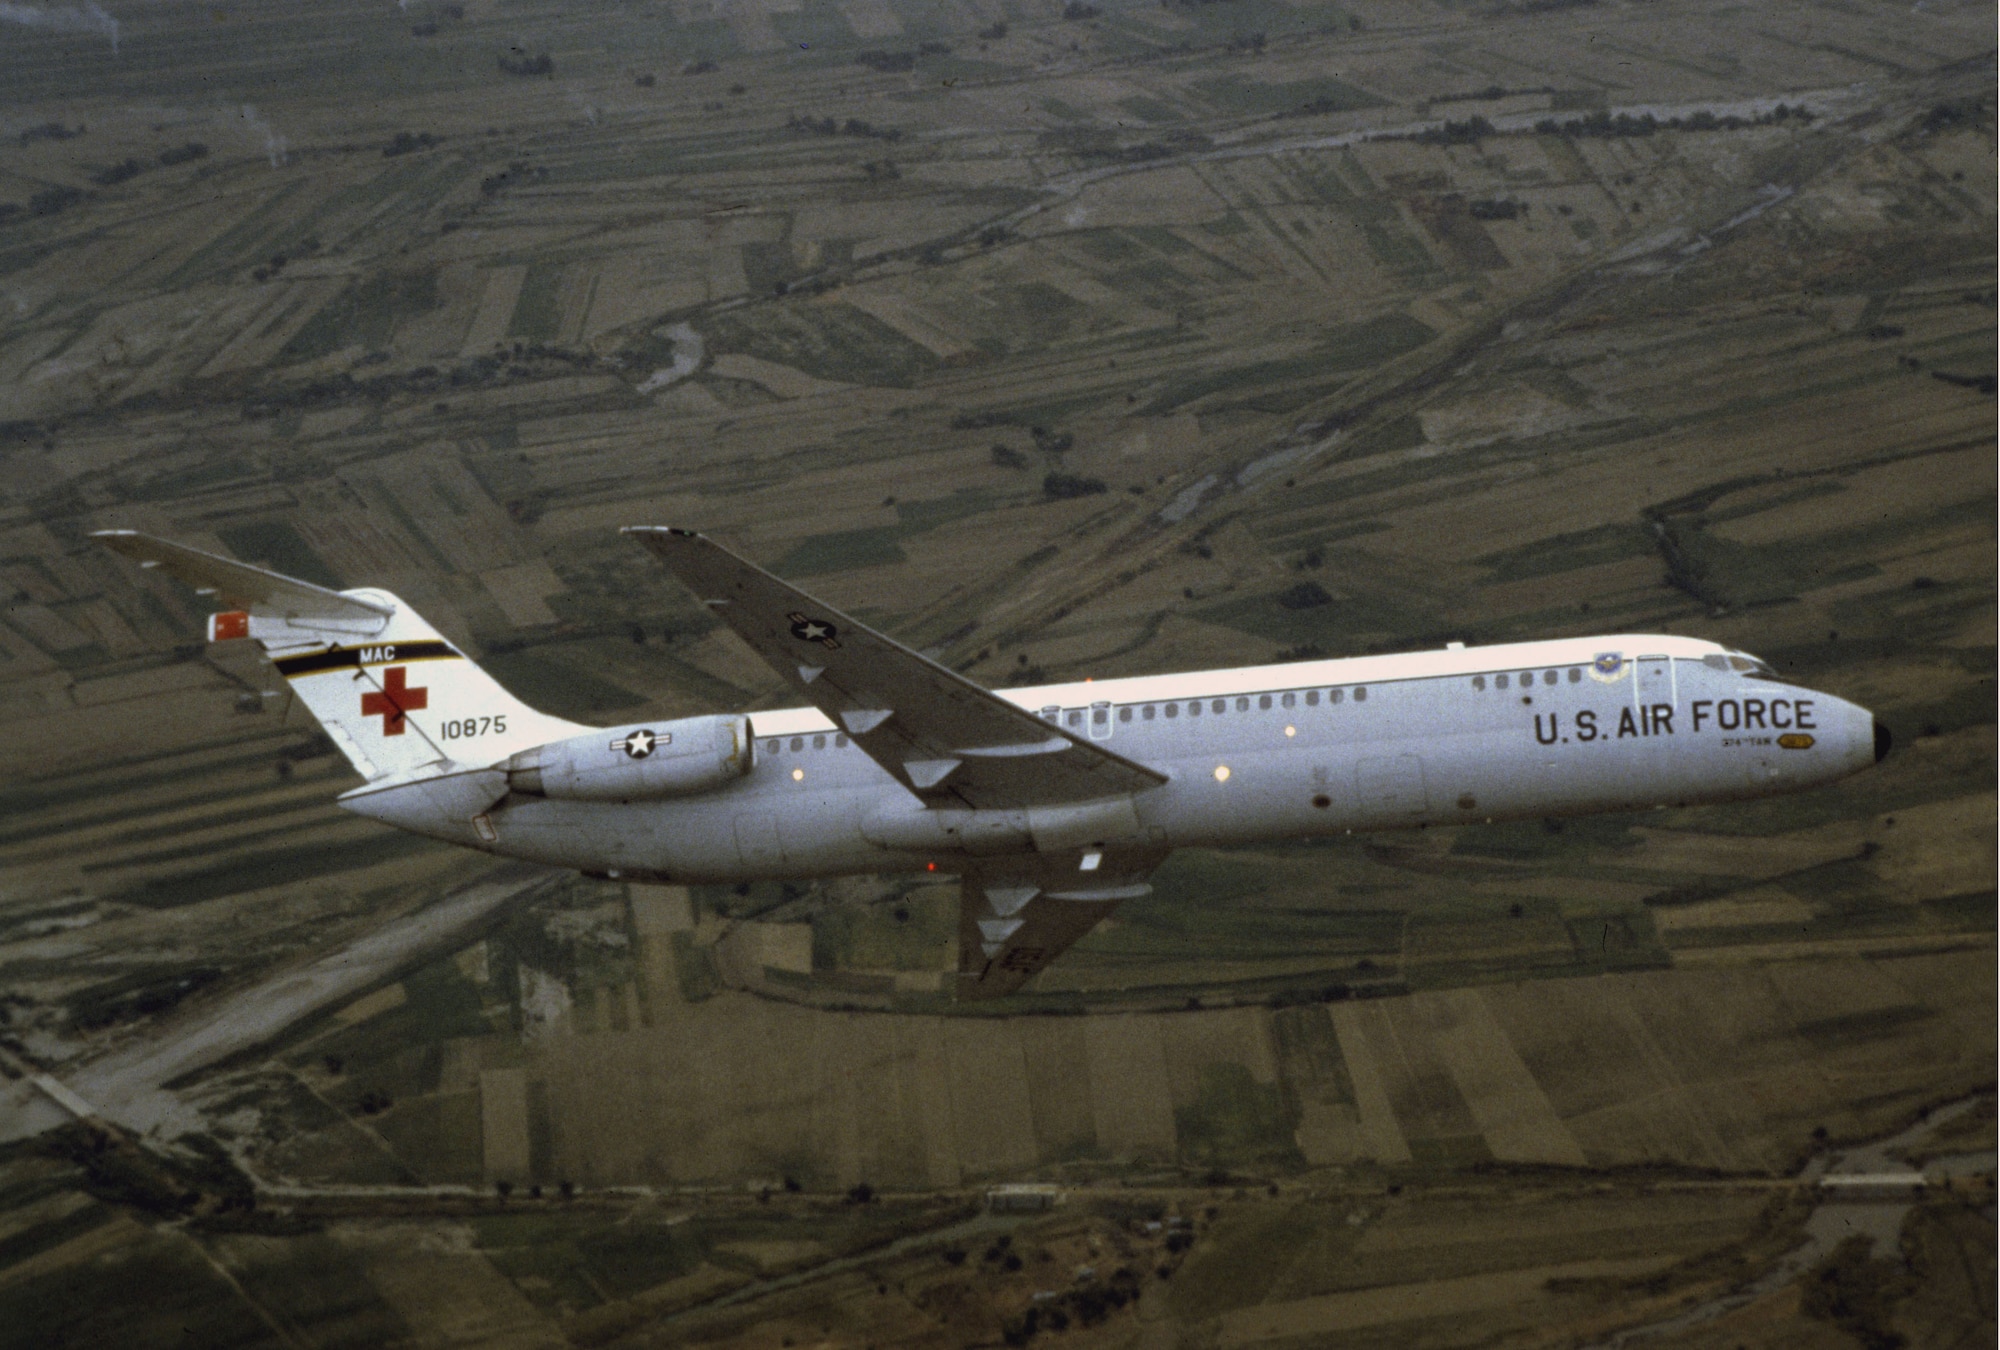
1051,804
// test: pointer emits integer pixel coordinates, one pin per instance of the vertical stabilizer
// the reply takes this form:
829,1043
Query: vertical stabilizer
390,691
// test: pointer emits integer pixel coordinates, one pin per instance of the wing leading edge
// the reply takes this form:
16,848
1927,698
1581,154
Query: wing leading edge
951,742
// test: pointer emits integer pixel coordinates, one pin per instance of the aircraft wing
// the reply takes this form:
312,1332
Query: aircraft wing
253,587
948,740
1016,914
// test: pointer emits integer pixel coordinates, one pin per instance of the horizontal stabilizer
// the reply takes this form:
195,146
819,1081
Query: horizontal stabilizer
254,588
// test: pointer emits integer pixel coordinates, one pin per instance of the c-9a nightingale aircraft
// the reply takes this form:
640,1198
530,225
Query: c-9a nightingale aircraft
1051,804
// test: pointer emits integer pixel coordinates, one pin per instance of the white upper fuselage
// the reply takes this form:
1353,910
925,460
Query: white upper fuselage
1263,752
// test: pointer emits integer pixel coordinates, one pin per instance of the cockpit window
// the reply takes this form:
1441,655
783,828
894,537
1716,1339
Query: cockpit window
1740,662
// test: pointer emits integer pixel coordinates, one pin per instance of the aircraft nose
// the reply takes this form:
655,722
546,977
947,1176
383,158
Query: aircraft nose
1883,740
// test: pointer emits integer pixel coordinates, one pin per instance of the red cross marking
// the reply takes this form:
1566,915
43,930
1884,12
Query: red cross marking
393,701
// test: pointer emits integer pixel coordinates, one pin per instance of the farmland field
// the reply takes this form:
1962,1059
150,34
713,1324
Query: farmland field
1378,326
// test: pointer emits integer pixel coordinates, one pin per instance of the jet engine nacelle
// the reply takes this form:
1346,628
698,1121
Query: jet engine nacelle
632,763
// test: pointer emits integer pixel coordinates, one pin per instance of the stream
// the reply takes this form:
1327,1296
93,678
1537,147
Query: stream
1836,1219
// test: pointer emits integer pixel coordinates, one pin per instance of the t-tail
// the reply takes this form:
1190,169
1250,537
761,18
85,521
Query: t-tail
391,692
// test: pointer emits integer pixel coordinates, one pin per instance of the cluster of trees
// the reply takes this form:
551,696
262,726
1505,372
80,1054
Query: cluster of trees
183,154
1066,486
853,126
50,131
118,173
518,62
520,171
895,63
406,143
1457,133
1604,124
1086,1306
307,247
50,200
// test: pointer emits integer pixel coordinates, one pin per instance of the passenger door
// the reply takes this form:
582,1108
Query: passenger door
1655,683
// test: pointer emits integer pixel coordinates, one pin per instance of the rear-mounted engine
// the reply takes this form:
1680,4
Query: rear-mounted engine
659,759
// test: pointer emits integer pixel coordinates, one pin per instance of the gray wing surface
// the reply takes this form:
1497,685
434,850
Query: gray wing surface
240,583
949,741
1017,914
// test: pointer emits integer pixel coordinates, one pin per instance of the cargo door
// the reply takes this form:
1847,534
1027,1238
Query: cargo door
1391,787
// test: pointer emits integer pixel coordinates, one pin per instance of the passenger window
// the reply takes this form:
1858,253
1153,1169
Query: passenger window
1548,677
1361,693
819,742
1173,710
1288,700
798,743
1243,704
1076,718
1264,701
771,747
1051,713
1124,714
1194,708
1334,696
1147,713
839,742
1220,705
1100,717
1576,674
1499,681
1478,681
1312,698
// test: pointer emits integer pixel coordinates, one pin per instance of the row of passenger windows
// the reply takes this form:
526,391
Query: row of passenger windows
1148,712
1527,678
1194,707
773,746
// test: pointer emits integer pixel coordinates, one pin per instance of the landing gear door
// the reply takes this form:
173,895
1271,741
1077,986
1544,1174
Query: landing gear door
1655,685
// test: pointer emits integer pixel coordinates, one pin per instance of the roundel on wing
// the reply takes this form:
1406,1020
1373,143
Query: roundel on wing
812,630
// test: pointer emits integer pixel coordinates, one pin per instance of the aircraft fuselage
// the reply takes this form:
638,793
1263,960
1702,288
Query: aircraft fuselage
1464,735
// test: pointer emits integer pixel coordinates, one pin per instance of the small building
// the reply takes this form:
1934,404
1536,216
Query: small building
1023,1197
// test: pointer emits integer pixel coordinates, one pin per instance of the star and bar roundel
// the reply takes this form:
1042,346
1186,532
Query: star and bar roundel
814,630
394,699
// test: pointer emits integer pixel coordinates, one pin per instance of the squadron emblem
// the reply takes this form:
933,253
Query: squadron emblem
814,630
1607,666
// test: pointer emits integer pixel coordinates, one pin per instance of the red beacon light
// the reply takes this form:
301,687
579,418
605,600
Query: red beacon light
228,626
